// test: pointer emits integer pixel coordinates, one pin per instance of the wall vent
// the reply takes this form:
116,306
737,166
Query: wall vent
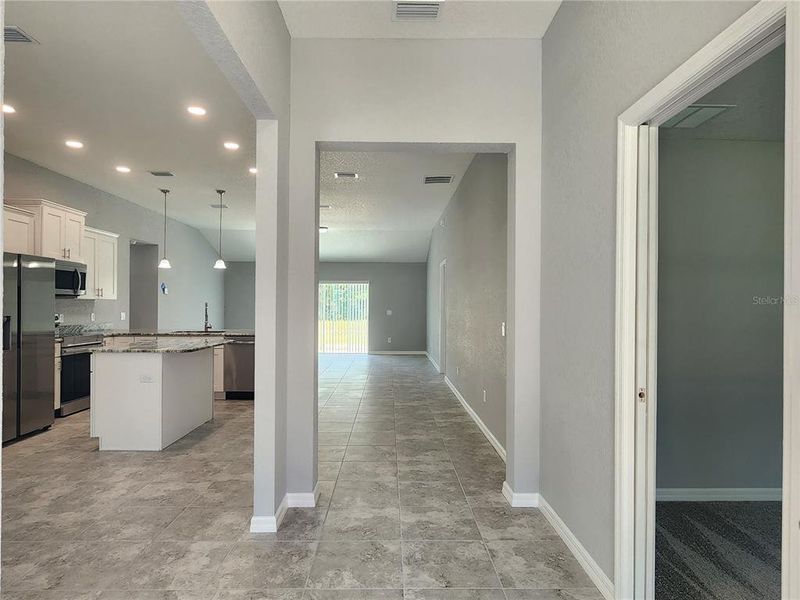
341,175
696,114
218,206
162,173
15,34
410,10
438,179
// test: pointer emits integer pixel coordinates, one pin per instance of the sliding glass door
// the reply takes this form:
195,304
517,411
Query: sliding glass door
344,317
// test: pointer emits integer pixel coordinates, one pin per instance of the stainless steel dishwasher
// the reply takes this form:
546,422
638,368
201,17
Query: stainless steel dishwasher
240,368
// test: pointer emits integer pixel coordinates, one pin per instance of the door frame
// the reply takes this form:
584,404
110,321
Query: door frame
443,317
761,29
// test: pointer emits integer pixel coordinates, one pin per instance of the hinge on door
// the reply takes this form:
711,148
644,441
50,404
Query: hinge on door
642,395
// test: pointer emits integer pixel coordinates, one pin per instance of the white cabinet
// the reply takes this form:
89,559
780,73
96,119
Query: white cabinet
219,371
58,229
18,230
100,256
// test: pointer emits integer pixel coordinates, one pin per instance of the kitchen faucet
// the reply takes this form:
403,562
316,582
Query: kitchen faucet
207,326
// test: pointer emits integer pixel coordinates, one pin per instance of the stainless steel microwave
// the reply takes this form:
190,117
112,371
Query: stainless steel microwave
70,279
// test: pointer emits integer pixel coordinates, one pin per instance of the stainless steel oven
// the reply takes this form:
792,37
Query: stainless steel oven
76,372
70,278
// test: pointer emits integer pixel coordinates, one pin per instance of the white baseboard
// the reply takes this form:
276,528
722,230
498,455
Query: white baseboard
593,570
400,352
303,499
489,435
260,524
718,494
433,362
518,500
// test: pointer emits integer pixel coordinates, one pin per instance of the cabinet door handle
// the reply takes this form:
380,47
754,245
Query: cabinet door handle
69,252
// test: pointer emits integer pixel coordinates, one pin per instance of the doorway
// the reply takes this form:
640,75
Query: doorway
757,34
443,317
343,322
143,286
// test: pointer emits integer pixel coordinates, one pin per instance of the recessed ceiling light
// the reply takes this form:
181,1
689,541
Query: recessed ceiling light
231,145
323,229
197,111
123,169
74,144
253,170
7,108
341,175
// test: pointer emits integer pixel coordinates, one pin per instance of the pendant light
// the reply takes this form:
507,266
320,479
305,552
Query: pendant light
164,264
220,264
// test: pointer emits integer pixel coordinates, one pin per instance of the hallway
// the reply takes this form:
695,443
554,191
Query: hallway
410,504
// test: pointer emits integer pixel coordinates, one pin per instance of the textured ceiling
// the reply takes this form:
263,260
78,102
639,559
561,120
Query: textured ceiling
458,19
118,76
758,94
387,214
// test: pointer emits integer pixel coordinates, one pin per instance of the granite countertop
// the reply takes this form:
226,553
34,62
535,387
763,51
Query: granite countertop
70,330
161,345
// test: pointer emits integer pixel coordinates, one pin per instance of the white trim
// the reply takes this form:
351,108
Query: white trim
400,352
481,425
748,38
269,524
718,494
443,316
303,499
527,500
593,570
433,362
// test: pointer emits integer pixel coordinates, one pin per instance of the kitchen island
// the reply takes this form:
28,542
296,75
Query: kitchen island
149,392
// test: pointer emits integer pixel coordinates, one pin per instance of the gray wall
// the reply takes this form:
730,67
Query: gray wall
598,58
720,354
191,281
400,287
143,286
473,240
240,295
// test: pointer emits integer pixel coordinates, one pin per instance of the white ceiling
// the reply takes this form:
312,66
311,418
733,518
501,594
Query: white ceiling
119,76
387,214
458,19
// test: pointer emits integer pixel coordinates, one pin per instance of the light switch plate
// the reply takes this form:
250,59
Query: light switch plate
122,316
92,317
388,312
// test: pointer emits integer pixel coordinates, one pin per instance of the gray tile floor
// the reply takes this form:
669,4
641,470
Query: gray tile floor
410,508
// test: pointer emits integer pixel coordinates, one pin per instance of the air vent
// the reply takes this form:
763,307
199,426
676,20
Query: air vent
696,114
416,11
346,175
162,174
438,179
15,34
218,206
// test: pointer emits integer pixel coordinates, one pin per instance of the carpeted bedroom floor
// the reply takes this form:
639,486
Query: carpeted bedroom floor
718,550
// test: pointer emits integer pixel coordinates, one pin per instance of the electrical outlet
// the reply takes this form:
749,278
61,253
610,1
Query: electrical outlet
389,340
388,312
122,316
145,378
92,317
484,395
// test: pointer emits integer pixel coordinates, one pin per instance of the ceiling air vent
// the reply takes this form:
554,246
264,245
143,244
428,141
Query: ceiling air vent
15,34
696,114
438,179
162,174
341,175
218,206
416,11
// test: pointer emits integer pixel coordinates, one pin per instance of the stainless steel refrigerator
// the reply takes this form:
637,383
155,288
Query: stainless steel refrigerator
28,343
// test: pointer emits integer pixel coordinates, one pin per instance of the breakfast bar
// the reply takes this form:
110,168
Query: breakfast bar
149,392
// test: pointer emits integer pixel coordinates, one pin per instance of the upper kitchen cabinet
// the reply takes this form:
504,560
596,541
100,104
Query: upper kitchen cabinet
58,229
19,230
100,255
